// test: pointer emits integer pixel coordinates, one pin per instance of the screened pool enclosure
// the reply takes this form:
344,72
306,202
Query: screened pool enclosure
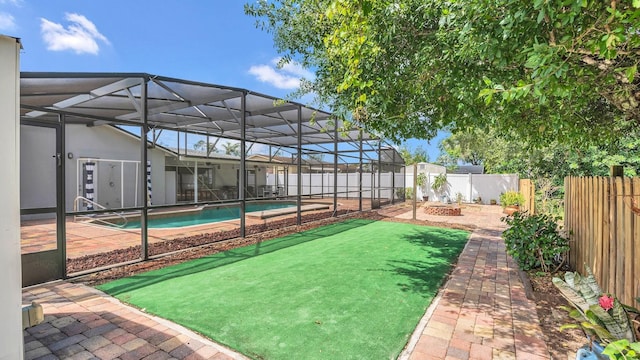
85,173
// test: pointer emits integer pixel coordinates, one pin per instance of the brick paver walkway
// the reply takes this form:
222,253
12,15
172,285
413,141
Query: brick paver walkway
481,313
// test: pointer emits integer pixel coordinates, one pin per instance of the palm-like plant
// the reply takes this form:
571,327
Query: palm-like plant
439,183
601,316
231,148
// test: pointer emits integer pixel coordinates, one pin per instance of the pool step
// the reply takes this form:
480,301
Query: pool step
265,214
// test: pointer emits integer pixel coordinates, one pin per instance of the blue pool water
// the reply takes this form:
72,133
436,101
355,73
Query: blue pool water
205,216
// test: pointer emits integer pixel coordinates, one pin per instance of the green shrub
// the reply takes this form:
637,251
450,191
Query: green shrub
408,193
535,241
511,198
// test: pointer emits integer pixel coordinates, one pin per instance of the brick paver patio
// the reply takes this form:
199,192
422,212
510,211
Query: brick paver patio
84,323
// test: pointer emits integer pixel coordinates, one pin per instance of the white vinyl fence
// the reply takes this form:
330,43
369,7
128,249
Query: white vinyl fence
485,187
348,184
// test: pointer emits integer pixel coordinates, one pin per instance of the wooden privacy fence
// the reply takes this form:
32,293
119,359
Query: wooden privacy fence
528,190
604,223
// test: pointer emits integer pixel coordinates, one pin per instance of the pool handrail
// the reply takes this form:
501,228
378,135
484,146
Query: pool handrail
94,219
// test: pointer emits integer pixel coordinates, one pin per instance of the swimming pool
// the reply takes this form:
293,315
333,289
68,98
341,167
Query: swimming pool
204,216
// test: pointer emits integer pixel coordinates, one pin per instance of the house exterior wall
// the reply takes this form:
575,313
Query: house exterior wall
170,187
105,142
98,142
426,168
11,341
227,175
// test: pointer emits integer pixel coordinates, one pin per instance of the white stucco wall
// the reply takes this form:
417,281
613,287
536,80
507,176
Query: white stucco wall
227,175
99,142
105,142
11,341
170,187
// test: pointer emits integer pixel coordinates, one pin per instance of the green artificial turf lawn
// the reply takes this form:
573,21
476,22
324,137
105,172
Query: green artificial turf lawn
352,290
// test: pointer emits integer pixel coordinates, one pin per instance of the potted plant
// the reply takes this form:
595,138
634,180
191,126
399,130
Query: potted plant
421,180
439,185
511,201
604,320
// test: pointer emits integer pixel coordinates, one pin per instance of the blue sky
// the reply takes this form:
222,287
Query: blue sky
202,40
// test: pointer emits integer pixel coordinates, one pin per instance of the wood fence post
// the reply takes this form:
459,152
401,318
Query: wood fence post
617,170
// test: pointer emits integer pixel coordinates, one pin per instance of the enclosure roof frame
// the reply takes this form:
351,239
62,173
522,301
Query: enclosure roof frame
180,105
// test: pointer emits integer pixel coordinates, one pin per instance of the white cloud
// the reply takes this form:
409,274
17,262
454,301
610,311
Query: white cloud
286,77
81,35
7,22
295,68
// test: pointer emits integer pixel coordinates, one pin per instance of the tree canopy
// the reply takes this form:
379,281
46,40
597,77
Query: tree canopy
508,154
231,148
417,156
202,145
548,70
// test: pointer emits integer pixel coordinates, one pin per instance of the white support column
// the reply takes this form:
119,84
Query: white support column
11,341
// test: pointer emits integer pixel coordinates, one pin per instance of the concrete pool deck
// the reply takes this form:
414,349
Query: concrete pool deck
266,214
480,313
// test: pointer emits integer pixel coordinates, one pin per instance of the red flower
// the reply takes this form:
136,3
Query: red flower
606,302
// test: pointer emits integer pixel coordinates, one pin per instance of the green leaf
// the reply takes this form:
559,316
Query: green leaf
615,347
487,100
630,72
486,92
569,326
367,6
571,295
540,16
615,329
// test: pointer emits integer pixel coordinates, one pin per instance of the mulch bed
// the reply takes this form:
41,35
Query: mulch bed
193,247
548,301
